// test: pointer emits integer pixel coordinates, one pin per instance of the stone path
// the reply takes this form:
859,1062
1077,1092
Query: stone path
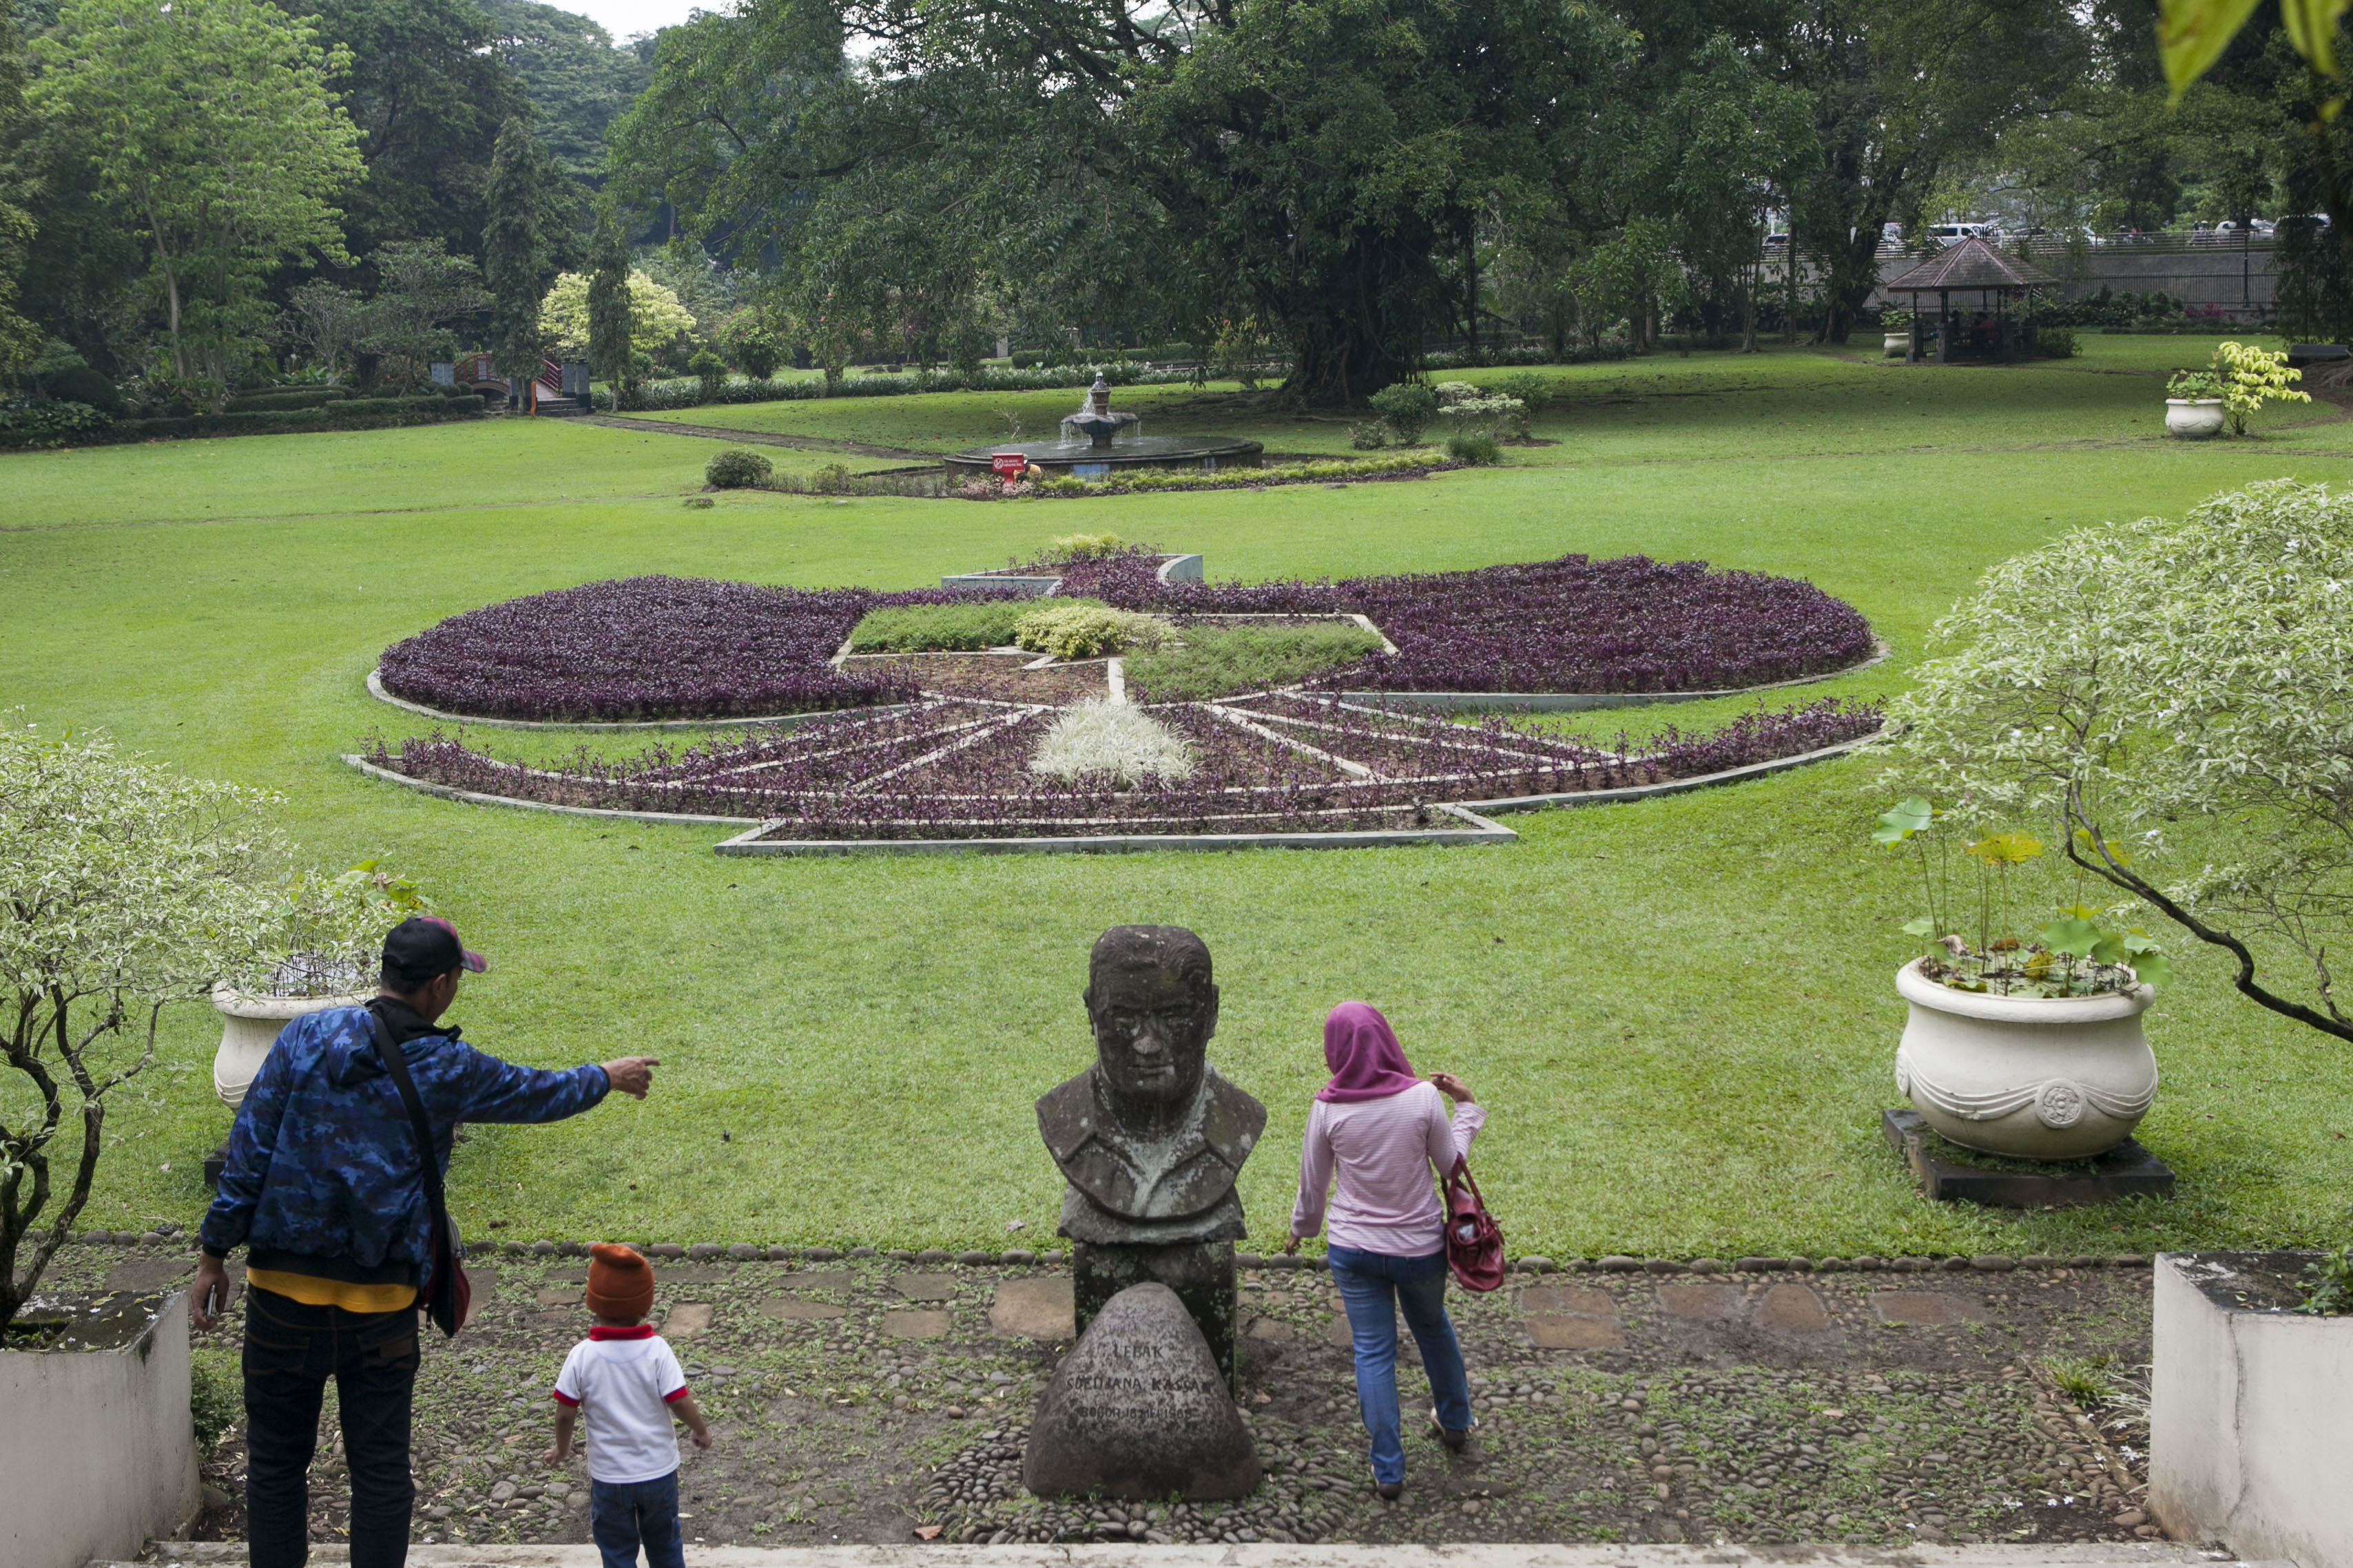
758,437
1503,1557
868,1398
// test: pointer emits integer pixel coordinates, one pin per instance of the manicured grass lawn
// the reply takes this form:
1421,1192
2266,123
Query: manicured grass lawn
1680,1014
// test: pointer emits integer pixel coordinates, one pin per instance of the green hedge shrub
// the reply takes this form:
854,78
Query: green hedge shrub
279,402
1068,630
1219,661
947,628
53,423
736,470
82,385
351,415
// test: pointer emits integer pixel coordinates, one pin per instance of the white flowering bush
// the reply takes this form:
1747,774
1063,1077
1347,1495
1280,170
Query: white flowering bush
1106,740
1089,631
2129,677
124,887
1475,410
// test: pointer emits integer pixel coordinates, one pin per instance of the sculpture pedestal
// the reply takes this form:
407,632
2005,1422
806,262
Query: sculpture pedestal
1200,1272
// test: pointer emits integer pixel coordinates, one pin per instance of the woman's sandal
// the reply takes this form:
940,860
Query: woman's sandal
1454,1441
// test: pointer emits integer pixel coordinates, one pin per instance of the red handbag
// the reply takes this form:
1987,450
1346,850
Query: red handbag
1474,1246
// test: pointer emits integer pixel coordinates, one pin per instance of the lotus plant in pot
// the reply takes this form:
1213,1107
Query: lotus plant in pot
2027,1047
2183,687
1896,328
327,940
2193,405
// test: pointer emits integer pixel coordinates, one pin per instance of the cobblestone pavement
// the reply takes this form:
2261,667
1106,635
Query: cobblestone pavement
881,1399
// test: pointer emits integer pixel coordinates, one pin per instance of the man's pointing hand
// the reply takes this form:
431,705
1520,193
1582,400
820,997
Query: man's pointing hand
632,1075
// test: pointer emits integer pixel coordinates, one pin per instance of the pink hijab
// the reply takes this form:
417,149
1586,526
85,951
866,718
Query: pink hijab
1363,1053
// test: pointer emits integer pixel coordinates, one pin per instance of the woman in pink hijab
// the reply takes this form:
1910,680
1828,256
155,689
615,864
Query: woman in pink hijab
1383,1133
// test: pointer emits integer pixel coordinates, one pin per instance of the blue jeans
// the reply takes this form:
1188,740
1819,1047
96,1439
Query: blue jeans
621,1514
1375,1286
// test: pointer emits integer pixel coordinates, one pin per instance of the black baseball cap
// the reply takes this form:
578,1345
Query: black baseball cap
425,947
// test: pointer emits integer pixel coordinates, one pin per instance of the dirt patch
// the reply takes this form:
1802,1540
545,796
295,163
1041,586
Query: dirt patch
996,676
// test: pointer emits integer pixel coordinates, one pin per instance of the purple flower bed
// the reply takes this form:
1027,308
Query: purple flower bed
953,768
675,647
1572,625
647,648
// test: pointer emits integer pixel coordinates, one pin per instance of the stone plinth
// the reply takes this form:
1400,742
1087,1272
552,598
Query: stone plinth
1200,1274
1138,1411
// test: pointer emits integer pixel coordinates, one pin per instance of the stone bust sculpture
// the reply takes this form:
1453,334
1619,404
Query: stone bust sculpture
1150,1137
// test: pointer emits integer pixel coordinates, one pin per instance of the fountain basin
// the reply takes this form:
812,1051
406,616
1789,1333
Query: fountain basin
1086,460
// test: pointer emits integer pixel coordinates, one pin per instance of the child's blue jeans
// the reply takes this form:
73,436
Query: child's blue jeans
623,1515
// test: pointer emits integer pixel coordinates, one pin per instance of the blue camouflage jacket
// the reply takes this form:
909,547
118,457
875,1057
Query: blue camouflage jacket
322,1159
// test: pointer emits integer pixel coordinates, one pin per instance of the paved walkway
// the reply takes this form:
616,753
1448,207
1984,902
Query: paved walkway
861,1400
1498,1556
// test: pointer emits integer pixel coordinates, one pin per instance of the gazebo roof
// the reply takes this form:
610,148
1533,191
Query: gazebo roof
1972,264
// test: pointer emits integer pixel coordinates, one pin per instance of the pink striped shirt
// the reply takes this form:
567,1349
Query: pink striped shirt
1384,1152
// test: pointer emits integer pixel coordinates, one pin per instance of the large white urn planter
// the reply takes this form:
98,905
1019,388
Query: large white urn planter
2250,1410
1899,344
250,1026
2033,1077
2194,418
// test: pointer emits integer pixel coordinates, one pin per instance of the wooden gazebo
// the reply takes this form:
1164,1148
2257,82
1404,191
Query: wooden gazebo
1972,267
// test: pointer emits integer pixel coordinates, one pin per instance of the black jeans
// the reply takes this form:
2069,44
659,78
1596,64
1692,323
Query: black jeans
291,1351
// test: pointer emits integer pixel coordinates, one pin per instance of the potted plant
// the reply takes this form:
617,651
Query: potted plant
1897,326
2193,405
123,889
2030,1049
328,938
2187,679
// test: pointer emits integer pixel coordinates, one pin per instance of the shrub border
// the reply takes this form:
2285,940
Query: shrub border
1588,701
1483,832
803,716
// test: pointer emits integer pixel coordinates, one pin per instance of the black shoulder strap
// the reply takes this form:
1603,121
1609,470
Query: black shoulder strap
444,1252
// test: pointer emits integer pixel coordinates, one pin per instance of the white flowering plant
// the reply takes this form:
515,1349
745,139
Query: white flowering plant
1111,741
124,887
2197,671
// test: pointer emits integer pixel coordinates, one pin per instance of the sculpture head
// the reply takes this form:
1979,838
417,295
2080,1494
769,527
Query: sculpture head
1154,1008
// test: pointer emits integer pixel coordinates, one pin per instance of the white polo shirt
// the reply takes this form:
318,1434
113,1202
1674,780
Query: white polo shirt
623,1382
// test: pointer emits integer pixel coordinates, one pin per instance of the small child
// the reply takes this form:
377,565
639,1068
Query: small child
624,1378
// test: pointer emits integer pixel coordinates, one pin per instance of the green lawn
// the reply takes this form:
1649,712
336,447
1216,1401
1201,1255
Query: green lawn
1680,1014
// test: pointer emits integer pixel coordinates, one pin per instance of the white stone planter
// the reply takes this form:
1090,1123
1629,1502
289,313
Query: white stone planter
2193,418
250,1026
2036,1078
98,1448
2251,1411
1899,344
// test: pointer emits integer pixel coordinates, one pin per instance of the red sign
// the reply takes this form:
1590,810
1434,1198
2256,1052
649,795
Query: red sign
1010,466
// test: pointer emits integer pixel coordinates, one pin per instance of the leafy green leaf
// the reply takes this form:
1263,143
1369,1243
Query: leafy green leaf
2192,34
2154,969
1907,817
2312,27
1923,926
2007,848
2109,948
2074,938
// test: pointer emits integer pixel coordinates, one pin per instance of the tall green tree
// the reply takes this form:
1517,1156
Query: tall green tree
1322,166
19,338
516,261
609,321
577,80
429,92
213,126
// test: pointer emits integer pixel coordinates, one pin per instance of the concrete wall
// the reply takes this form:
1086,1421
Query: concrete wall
2250,1420
97,1450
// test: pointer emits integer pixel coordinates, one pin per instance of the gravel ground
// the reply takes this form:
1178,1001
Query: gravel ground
880,1398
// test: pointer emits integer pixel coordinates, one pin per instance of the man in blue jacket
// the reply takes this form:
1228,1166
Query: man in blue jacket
325,1185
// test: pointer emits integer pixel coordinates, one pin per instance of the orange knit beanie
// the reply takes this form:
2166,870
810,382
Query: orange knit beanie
620,1283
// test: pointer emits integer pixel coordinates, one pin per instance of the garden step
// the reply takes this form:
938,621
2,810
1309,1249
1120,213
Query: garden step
1467,1554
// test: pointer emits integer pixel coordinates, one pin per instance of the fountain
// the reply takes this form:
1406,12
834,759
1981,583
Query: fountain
1095,442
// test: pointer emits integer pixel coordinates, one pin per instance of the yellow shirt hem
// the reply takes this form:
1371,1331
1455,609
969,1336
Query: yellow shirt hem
313,1291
